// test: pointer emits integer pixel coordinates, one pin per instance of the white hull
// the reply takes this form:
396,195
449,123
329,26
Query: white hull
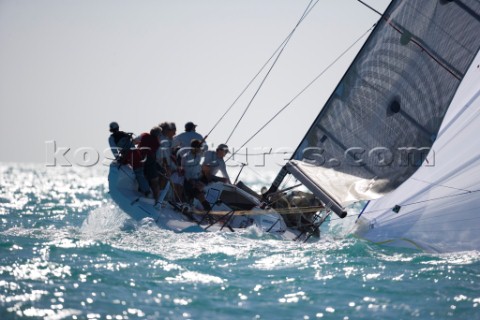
440,203
123,190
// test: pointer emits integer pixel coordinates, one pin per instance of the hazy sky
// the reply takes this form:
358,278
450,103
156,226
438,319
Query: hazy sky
68,68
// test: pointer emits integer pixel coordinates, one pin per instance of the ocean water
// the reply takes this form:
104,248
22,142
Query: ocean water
68,252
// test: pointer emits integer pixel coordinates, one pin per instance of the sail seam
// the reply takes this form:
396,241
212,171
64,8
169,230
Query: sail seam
455,73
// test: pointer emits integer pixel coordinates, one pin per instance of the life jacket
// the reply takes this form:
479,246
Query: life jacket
124,141
118,135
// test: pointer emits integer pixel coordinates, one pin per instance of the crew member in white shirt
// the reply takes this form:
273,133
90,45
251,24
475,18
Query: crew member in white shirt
184,139
192,171
214,163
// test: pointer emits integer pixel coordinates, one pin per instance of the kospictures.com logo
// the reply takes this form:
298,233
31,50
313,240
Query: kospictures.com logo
355,156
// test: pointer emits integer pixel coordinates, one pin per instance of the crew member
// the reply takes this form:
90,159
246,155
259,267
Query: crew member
214,163
148,145
185,138
123,148
192,171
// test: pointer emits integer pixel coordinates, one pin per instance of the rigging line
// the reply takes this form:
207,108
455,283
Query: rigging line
348,216
440,198
363,210
245,165
404,205
255,94
370,7
288,153
418,202
436,216
285,183
245,89
412,203
423,218
256,172
304,89
431,223
466,107
253,79
286,189
283,46
439,230
439,185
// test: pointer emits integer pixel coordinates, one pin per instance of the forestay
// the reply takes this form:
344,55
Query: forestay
378,126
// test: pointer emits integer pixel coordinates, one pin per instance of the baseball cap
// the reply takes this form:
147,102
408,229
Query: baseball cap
223,146
190,126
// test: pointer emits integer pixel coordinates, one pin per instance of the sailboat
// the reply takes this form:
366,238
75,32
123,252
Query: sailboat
234,208
399,131
397,135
